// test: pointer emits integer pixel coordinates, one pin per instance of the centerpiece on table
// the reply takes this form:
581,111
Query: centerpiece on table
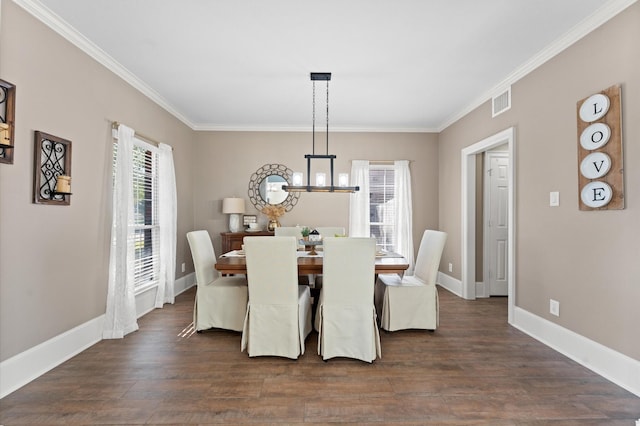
305,233
273,213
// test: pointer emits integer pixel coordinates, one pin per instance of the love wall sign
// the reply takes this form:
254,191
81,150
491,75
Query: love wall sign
600,167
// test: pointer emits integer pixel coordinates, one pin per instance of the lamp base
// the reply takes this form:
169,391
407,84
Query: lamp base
234,222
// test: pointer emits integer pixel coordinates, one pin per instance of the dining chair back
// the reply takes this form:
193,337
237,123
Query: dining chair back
429,254
278,315
330,231
290,231
411,302
203,255
221,302
346,317
326,231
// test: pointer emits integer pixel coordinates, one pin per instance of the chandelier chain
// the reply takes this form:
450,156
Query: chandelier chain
327,117
313,134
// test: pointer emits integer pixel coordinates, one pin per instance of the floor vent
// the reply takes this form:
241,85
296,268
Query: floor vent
501,103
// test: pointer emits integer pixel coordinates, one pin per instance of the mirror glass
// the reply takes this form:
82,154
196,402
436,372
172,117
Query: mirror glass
271,189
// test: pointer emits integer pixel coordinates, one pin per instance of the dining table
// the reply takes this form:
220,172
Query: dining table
235,262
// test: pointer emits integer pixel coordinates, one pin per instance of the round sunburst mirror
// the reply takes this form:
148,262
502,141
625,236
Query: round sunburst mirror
265,187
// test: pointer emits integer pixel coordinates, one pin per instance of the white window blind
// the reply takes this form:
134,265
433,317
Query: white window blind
144,232
381,205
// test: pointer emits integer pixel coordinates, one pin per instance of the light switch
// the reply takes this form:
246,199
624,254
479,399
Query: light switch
554,199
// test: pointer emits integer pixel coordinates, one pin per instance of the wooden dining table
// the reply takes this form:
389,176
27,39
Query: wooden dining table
389,263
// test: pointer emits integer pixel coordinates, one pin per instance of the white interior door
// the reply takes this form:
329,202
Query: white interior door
496,223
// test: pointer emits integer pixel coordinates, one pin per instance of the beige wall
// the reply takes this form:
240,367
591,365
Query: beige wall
224,161
54,259
586,260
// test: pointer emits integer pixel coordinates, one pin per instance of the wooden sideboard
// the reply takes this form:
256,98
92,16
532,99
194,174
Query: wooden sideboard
233,240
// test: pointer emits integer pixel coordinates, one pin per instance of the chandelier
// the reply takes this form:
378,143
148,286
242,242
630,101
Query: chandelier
321,183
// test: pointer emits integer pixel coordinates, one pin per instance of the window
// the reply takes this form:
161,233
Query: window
381,206
144,232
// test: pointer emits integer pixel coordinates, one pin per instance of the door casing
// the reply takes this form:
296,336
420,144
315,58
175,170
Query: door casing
469,215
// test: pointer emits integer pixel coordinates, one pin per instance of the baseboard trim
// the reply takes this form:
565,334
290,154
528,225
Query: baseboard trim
481,290
20,369
452,284
184,283
26,366
608,363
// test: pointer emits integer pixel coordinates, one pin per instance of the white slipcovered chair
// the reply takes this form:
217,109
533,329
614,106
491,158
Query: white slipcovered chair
330,231
326,231
412,301
290,231
221,302
278,315
346,315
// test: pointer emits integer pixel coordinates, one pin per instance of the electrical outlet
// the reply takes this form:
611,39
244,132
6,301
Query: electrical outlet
450,267
554,307
183,267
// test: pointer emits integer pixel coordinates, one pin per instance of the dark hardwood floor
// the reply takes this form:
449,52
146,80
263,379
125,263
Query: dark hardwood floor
475,369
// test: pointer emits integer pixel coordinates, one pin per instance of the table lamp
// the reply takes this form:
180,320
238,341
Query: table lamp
234,207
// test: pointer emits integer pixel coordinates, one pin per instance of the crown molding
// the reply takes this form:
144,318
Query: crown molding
589,24
60,26
219,128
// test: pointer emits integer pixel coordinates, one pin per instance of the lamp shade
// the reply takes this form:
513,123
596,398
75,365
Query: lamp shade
233,205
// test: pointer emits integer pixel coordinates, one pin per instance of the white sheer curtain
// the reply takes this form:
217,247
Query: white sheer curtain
167,217
359,219
121,304
403,208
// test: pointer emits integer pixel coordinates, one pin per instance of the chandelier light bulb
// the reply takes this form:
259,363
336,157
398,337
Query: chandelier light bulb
297,179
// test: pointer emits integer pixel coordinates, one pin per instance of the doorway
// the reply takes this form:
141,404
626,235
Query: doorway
469,214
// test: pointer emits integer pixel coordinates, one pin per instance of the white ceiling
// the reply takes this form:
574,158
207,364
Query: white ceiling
397,65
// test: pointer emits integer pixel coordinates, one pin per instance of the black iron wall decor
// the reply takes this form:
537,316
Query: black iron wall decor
52,170
7,121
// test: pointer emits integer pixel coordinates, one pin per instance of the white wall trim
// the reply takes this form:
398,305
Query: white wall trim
482,290
614,366
184,283
305,129
146,300
449,283
468,210
26,366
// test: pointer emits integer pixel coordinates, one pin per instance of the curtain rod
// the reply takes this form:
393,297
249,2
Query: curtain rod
385,162
115,124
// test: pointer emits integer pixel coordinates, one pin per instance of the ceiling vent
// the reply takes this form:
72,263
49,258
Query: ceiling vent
501,103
